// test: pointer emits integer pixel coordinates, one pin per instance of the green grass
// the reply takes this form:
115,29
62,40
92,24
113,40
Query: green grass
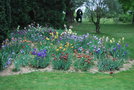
68,81
111,30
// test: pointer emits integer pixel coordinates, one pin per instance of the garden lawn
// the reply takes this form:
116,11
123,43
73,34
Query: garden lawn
68,81
112,30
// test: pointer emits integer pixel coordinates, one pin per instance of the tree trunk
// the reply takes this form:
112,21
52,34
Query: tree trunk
97,25
69,17
96,22
133,18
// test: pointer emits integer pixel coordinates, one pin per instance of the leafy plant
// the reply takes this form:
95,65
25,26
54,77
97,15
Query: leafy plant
41,59
22,60
62,61
110,64
83,62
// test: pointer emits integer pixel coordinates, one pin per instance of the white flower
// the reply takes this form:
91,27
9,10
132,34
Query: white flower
119,41
70,27
123,38
107,39
111,41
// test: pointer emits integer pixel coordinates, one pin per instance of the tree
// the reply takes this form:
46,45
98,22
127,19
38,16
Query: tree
44,12
24,12
128,5
5,19
71,6
98,9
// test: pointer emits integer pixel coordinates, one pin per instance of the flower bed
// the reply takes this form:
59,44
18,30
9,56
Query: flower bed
39,47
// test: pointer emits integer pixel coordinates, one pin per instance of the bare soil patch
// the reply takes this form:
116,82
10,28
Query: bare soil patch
94,69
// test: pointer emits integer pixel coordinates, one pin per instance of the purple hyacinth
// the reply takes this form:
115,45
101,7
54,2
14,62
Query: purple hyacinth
98,50
125,53
119,46
34,52
41,53
114,49
126,45
80,48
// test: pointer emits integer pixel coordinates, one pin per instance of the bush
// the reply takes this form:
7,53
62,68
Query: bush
125,18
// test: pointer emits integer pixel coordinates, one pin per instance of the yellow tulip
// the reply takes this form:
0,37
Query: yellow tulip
57,33
60,47
72,47
47,38
64,49
57,49
56,37
60,44
52,34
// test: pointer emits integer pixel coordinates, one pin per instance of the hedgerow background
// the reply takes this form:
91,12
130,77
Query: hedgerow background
24,12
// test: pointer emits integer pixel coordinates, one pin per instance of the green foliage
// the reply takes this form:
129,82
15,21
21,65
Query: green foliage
44,12
62,61
0,61
40,62
110,64
125,18
22,60
82,64
34,11
4,22
97,9
127,5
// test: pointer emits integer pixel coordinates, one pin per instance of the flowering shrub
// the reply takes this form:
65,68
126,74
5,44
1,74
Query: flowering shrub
62,50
